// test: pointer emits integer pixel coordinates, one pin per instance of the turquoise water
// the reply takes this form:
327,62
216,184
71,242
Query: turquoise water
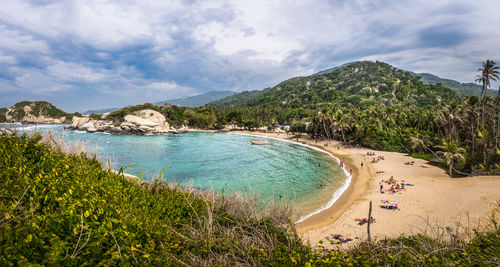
222,160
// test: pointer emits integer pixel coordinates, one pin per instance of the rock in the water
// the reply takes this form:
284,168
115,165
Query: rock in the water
86,126
79,121
91,130
127,126
146,128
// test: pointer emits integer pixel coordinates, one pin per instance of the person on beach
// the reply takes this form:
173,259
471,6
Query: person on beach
361,164
381,186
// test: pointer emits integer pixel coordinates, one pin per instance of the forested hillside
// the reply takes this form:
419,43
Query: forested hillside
361,82
461,88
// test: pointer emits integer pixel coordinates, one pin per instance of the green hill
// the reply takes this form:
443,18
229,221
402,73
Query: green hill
237,99
352,84
31,111
197,100
100,111
461,88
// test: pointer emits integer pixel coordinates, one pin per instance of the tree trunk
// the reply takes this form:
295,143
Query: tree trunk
473,138
484,104
369,222
451,169
326,132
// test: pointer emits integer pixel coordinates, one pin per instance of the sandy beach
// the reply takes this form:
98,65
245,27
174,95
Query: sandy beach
435,198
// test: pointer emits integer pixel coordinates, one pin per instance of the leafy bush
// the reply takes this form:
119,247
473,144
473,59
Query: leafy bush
2,115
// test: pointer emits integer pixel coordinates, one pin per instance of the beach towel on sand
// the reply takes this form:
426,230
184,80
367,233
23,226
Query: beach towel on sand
389,207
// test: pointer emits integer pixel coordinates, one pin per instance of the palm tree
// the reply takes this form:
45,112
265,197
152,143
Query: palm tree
419,143
452,154
488,72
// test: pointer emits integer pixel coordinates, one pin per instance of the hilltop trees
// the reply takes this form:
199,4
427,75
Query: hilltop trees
488,72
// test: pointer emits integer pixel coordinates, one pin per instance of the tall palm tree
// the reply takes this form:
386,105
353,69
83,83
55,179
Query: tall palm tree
418,143
488,72
452,154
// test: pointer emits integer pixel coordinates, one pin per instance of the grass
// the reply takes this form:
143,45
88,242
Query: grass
427,156
60,207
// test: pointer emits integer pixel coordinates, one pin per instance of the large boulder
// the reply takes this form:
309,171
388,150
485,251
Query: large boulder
79,121
102,125
146,117
86,126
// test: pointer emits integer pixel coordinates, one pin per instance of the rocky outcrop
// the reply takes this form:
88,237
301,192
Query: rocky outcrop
146,121
79,121
38,112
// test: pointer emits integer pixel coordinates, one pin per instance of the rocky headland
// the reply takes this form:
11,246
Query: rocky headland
36,112
145,121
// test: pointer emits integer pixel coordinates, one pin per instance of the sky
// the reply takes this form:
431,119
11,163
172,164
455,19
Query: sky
90,54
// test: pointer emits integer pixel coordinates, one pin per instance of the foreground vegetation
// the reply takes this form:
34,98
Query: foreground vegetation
65,209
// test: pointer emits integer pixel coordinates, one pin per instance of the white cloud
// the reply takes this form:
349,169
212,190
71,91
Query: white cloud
164,86
39,84
75,73
15,41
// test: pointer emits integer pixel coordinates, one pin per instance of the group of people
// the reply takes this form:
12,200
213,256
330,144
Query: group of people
396,186
377,159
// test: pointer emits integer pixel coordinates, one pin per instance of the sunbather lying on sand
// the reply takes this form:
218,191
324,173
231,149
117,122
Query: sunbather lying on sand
389,207
338,239
365,220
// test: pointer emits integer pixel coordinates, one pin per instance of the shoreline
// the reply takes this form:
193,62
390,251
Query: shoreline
336,205
335,195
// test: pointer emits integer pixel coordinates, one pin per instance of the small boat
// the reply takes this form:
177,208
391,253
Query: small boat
260,143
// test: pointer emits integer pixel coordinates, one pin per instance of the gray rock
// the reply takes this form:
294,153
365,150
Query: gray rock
87,126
